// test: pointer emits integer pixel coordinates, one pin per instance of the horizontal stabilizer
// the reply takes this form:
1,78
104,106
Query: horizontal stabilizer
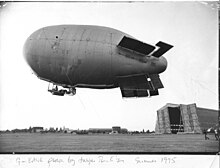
164,47
139,85
134,93
134,82
135,45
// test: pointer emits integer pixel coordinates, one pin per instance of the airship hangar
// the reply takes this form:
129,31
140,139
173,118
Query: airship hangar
180,118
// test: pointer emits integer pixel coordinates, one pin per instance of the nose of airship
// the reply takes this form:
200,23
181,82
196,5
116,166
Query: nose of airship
26,52
29,52
162,64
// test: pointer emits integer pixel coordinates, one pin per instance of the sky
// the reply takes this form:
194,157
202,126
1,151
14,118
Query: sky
191,75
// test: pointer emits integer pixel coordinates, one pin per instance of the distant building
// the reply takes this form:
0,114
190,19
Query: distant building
177,118
115,129
37,129
100,130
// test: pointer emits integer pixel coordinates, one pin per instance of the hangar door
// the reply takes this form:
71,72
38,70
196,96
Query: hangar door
176,123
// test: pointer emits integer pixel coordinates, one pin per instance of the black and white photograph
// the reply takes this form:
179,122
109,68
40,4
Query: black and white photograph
109,77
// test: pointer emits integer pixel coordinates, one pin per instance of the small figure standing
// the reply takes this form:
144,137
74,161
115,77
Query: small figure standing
216,134
205,132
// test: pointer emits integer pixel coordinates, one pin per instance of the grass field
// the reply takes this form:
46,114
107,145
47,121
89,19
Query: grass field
59,142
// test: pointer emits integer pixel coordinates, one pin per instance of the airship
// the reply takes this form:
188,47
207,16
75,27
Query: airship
96,57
